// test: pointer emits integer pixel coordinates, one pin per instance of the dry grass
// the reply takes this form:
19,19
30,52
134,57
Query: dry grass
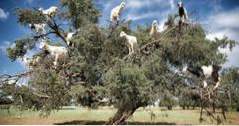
87,116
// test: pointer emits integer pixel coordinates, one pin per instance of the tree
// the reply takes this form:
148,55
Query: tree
189,98
98,65
168,101
79,12
231,82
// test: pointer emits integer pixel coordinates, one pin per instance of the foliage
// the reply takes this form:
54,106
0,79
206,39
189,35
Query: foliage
29,16
80,12
128,85
168,101
20,48
189,99
231,82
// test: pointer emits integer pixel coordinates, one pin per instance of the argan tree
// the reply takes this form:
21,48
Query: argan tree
231,83
98,65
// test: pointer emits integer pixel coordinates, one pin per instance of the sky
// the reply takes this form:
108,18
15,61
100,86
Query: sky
218,17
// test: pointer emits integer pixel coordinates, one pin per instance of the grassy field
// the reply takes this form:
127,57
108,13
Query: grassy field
87,116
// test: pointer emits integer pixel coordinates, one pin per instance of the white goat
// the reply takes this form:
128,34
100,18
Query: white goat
182,12
31,62
69,36
38,28
36,60
51,12
211,71
154,28
115,12
27,62
131,41
207,71
55,51
12,82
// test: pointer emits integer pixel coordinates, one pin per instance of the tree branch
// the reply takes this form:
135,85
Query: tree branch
57,30
50,21
43,35
6,77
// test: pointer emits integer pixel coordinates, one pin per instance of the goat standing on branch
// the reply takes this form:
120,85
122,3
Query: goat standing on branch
51,12
55,51
31,62
131,41
154,28
38,28
206,72
69,37
116,12
182,12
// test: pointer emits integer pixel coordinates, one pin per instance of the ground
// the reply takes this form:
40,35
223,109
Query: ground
100,116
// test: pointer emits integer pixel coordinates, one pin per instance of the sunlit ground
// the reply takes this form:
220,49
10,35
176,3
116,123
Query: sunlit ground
100,116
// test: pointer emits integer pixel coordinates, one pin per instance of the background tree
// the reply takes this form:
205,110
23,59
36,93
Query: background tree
168,101
231,82
189,98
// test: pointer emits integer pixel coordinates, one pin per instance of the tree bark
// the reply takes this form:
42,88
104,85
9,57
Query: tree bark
184,107
213,107
170,107
121,116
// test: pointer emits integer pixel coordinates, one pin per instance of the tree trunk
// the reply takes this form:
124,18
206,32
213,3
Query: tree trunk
194,106
213,107
121,116
188,107
169,107
183,107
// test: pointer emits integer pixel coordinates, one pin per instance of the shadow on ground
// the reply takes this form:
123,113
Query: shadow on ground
88,122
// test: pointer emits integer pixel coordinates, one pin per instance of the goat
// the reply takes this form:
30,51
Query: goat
55,51
131,41
38,28
154,28
31,62
35,61
51,12
115,12
27,62
206,72
10,82
182,12
69,37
